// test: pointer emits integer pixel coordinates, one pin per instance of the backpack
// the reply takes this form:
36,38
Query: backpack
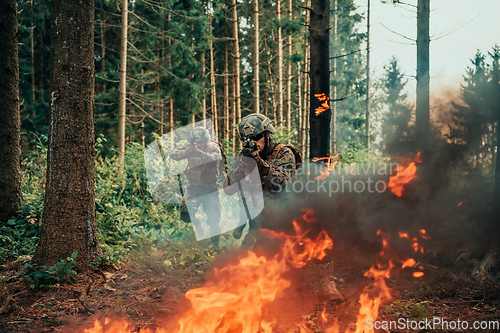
295,151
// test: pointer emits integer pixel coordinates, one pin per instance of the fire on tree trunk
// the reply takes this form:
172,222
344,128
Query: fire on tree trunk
320,78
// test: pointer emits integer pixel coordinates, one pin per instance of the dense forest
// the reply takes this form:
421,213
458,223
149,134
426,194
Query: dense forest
81,101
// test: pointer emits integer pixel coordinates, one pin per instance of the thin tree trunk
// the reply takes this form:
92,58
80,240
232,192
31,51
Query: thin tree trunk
333,88
289,75
69,208
367,125
256,86
213,92
103,50
32,44
422,122
271,83
10,138
299,109
204,100
236,65
280,68
227,121
320,78
234,135
123,83
305,104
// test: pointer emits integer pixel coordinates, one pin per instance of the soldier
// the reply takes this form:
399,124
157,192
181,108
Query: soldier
204,167
277,164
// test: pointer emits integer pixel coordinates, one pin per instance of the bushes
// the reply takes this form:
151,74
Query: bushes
126,215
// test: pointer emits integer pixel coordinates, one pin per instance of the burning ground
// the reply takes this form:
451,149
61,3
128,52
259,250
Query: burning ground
389,253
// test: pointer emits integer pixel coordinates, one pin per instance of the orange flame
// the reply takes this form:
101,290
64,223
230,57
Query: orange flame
324,106
235,303
234,300
331,162
409,263
405,175
324,320
464,201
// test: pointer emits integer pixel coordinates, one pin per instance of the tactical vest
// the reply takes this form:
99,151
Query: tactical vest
207,173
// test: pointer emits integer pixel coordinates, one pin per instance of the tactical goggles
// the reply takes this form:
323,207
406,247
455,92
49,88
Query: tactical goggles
257,137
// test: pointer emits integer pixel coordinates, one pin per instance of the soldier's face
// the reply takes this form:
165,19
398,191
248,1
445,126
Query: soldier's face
200,145
260,143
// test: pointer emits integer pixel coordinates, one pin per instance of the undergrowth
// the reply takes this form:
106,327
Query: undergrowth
127,218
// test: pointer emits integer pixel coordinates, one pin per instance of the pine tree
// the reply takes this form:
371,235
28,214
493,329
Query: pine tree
397,134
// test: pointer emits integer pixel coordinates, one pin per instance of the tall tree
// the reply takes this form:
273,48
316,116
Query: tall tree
397,133
320,78
367,115
492,95
256,86
422,121
237,61
279,60
10,141
123,82
69,210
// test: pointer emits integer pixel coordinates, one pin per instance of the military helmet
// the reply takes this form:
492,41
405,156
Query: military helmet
254,124
199,134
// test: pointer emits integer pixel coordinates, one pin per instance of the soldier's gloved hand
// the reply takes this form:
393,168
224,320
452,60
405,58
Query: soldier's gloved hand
191,149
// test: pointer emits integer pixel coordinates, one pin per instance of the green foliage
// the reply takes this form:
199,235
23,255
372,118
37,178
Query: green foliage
44,277
20,234
397,133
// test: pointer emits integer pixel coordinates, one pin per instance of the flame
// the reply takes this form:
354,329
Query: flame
405,175
324,320
235,298
324,106
331,162
409,263
243,289
464,201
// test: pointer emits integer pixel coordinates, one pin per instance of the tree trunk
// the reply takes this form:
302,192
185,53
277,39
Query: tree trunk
203,88
10,139
123,83
227,121
213,92
305,105
422,122
333,88
367,124
103,51
289,74
236,51
299,116
256,87
69,210
32,44
279,61
320,78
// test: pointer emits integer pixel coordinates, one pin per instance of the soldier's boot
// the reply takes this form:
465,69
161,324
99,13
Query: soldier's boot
330,292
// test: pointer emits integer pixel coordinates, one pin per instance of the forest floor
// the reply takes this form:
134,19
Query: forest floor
149,296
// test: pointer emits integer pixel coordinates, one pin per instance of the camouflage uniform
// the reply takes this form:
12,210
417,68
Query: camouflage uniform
276,164
202,173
